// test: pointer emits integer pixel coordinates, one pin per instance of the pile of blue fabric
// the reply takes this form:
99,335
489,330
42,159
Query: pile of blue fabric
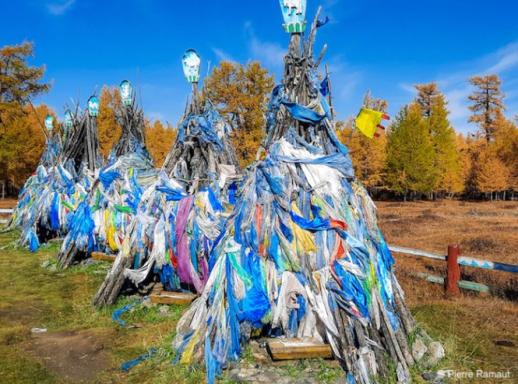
180,215
50,196
301,254
102,216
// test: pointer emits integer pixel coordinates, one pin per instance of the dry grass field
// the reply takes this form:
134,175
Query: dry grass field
473,326
486,230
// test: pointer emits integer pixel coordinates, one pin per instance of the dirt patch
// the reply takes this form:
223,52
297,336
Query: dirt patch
76,356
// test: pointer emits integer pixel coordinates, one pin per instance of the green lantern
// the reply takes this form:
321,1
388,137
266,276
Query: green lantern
93,106
191,66
49,123
69,122
294,14
126,92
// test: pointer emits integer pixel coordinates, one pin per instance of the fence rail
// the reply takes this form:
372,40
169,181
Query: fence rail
5,211
452,282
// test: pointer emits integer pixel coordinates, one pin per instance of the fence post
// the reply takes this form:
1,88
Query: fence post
453,271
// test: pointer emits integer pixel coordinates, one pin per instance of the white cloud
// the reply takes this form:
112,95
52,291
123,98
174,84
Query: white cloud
222,55
506,59
58,9
268,53
407,88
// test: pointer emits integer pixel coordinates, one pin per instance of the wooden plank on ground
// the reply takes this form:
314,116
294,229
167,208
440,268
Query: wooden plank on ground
293,349
166,297
99,256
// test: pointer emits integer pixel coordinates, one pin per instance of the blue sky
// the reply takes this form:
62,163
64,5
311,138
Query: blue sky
382,46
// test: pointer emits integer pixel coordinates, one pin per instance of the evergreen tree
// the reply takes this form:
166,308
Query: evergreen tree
487,103
410,154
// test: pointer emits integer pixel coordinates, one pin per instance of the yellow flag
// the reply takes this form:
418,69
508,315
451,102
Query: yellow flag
367,121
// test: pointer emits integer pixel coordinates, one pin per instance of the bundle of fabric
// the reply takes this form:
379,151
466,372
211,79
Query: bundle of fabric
181,215
302,254
54,191
101,218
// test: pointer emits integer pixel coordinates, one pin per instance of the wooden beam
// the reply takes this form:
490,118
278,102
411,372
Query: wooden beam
99,256
167,298
294,349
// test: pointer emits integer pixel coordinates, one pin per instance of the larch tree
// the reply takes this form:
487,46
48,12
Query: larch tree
19,82
22,144
506,148
462,145
240,94
426,95
159,140
368,155
491,174
410,163
447,160
487,103
108,128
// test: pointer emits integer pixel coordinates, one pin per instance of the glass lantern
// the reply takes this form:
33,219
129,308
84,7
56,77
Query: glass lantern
69,122
49,123
93,106
294,14
126,92
191,66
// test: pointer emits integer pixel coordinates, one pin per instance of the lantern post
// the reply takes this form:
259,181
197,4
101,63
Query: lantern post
91,132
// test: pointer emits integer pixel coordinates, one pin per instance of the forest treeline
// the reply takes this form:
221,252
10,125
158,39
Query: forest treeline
419,156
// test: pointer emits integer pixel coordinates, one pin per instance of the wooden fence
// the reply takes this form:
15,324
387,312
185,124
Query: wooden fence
454,261
7,212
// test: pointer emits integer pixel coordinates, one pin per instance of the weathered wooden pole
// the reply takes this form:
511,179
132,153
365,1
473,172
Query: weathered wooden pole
329,96
453,271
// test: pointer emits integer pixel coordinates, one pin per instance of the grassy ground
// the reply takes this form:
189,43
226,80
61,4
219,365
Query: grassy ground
87,344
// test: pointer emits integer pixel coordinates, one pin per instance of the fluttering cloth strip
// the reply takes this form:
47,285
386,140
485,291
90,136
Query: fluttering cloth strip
296,256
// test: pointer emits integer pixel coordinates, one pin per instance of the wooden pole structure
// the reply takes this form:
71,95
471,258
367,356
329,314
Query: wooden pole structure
330,99
38,120
453,271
